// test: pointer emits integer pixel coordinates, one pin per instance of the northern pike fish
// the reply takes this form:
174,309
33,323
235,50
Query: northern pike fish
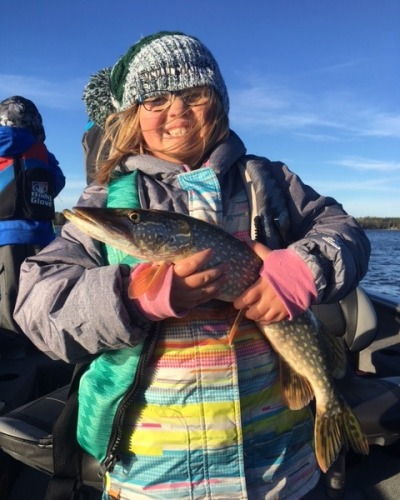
310,358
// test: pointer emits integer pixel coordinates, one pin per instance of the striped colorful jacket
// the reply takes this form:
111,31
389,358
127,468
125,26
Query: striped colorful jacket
207,420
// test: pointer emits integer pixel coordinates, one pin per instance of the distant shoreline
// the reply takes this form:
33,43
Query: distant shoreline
392,223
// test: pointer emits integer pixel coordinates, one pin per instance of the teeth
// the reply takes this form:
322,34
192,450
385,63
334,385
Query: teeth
176,132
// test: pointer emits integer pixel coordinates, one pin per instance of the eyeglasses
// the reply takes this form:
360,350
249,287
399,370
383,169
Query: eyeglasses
159,101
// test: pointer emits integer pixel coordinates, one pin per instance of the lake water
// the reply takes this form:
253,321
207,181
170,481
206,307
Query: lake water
384,267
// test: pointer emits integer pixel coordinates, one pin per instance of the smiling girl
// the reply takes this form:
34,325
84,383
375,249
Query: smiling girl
200,418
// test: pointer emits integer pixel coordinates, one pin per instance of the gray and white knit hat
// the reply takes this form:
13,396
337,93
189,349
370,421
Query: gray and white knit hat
20,112
166,61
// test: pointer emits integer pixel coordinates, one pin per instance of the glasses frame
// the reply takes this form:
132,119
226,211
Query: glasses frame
172,95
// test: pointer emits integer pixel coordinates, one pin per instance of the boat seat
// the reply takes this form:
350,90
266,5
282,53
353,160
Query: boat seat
26,435
353,318
375,400
28,430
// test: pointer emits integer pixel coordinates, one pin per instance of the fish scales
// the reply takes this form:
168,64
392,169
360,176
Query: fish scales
302,343
244,264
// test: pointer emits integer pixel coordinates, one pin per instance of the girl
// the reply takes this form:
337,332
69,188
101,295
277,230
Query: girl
206,419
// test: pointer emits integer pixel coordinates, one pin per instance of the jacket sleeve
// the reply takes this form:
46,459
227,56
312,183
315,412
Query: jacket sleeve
59,178
330,241
70,303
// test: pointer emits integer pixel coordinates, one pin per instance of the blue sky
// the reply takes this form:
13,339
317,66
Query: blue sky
313,83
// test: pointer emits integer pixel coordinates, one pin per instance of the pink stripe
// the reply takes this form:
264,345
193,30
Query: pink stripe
170,486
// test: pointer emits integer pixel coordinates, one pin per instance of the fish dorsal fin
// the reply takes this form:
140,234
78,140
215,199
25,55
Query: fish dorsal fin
148,280
335,352
296,390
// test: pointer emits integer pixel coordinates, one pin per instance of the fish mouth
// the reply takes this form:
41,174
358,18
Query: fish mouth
95,215
88,217
79,213
111,226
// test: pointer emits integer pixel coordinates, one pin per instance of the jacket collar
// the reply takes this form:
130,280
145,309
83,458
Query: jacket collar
221,159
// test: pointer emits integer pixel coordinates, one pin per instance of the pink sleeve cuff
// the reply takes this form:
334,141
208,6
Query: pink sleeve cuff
156,305
291,279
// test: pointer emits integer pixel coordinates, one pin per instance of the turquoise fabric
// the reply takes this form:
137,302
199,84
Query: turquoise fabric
122,193
109,376
101,389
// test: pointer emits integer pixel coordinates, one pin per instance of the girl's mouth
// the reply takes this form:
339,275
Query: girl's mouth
178,131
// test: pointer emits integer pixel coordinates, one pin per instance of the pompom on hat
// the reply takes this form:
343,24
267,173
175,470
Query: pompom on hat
17,111
166,61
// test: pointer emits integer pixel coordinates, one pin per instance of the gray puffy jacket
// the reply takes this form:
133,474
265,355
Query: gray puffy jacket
73,306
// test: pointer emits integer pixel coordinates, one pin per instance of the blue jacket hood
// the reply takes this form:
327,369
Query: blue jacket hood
14,140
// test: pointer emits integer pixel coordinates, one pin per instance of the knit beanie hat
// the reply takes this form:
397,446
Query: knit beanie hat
166,61
17,111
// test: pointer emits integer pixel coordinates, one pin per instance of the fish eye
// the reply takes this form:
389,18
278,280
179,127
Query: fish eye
172,239
134,217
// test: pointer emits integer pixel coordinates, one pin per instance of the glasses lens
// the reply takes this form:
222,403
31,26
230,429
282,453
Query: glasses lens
196,96
191,97
157,102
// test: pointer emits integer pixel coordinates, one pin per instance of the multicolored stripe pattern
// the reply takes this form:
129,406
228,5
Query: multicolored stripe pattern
210,423
204,195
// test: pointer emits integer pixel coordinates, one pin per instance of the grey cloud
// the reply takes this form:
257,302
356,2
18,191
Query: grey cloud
63,94
358,163
335,115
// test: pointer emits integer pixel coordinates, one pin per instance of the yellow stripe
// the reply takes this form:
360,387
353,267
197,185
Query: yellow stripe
280,422
171,428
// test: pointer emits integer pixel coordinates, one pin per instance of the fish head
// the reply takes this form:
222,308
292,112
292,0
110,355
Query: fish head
151,235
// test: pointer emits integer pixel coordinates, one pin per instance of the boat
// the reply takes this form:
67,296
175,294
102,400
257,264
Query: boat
34,390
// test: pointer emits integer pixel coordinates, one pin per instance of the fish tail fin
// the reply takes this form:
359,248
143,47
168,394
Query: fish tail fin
355,437
332,432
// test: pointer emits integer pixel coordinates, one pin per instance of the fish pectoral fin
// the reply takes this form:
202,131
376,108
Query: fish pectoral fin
148,281
335,431
335,352
234,328
296,390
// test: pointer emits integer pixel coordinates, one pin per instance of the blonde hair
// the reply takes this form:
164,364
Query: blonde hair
123,137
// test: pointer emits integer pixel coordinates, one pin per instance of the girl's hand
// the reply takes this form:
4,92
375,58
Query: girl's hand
191,287
260,301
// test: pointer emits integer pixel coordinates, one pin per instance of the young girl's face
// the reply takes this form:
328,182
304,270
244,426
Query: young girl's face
169,131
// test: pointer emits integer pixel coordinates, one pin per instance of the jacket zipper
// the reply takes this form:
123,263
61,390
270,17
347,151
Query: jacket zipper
111,458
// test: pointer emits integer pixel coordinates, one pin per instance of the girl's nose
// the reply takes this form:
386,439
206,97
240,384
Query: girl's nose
177,105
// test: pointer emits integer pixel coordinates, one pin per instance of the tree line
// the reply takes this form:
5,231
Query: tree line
365,222
379,222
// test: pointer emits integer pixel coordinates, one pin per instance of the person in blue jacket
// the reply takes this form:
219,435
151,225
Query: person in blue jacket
30,179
